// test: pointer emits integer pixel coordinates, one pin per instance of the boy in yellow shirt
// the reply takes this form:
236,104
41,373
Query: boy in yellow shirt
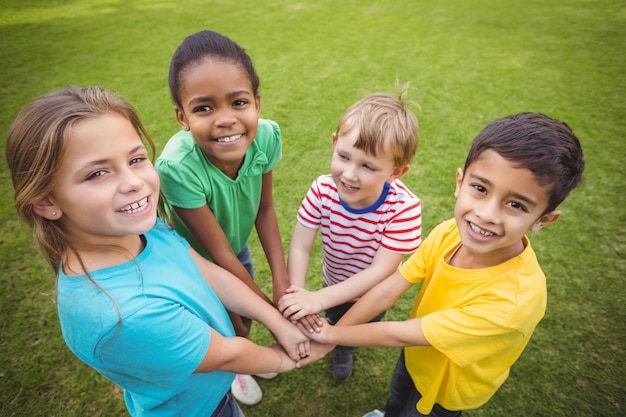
483,291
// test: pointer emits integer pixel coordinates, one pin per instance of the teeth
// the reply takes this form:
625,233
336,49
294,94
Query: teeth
228,139
479,230
135,207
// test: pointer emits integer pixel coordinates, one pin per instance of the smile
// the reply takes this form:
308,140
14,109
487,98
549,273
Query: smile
135,207
478,230
349,187
228,139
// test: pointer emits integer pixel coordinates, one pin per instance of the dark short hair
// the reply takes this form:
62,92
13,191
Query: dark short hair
534,141
207,44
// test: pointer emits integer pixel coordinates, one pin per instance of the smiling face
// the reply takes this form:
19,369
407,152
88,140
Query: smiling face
360,176
106,188
497,203
221,110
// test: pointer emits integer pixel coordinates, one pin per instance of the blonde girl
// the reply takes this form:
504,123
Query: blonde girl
133,299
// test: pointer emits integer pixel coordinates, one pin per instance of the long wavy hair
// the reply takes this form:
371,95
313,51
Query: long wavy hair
35,148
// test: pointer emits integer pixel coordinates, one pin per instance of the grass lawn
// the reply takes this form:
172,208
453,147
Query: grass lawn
468,63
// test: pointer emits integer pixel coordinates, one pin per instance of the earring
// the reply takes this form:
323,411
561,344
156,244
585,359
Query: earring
54,213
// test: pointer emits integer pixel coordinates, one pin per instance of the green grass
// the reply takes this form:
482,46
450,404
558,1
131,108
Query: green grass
469,63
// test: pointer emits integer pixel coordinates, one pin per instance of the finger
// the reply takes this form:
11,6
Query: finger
312,323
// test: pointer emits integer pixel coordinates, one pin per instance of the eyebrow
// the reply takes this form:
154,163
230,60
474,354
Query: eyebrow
204,99
102,161
518,196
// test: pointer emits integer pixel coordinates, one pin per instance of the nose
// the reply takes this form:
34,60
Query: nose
488,210
130,181
349,172
225,117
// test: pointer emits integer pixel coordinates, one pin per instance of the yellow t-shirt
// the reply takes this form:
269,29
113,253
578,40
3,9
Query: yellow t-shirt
478,321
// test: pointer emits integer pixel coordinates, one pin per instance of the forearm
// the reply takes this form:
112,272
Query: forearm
232,264
269,235
353,287
237,354
379,334
297,267
375,301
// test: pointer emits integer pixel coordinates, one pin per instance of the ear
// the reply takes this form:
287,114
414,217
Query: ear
180,118
45,208
545,220
398,172
334,139
459,181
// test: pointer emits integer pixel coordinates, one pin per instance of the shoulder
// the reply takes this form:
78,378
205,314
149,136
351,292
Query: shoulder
268,133
324,186
399,189
181,149
164,234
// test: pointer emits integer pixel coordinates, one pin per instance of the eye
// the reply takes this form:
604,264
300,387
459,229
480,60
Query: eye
343,157
240,103
94,175
369,167
137,160
517,206
202,109
479,188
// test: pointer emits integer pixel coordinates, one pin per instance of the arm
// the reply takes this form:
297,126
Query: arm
349,332
299,253
299,302
266,224
378,334
239,299
206,229
237,354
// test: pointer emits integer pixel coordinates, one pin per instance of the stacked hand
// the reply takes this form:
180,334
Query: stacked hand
301,308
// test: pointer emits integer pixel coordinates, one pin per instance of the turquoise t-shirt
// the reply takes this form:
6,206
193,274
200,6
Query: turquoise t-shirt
150,328
189,180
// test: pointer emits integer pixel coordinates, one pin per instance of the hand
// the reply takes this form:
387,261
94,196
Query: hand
298,302
311,322
320,335
295,342
317,352
286,363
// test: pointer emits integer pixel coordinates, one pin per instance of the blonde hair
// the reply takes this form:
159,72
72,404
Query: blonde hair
35,148
384,124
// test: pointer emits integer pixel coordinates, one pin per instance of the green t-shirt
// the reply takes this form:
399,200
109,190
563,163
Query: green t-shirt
189,180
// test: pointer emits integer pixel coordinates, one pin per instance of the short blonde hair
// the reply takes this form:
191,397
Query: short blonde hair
384,124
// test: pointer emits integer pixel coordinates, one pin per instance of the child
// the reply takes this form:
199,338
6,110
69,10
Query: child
483,291
368,218
133,299
217,171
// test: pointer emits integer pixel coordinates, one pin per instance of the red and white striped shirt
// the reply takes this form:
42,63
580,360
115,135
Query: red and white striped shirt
351,237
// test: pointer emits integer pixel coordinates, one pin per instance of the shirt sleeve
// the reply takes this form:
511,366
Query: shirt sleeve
272,142
181,184
467,335
309,213
403,234
162,342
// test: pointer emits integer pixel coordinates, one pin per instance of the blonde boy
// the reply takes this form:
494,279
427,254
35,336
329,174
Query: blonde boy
369,220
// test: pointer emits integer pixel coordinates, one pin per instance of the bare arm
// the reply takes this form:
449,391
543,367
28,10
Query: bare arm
208,232
349,332
239,299
269,234
299,254
378,334
237,354
299,303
